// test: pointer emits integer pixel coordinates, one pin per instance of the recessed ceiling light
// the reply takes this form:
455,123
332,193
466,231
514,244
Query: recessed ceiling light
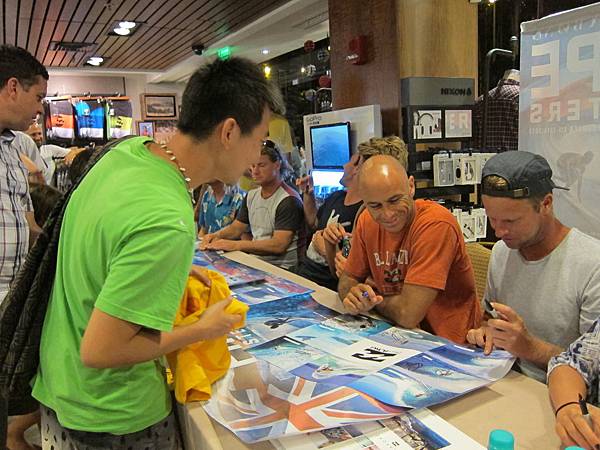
127,24
95,60
122,31
265,51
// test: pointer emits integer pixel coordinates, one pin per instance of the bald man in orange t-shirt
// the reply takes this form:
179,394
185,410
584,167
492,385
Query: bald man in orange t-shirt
408,258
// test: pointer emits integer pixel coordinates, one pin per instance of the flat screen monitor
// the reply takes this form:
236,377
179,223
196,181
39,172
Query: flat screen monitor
330,145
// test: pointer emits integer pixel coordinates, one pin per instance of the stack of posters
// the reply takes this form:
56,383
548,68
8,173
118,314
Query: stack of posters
249,285
235,273
300,367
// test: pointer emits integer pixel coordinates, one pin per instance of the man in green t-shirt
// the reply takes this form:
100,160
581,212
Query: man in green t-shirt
125,251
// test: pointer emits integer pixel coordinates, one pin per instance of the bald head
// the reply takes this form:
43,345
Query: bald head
382,170
387,191
35,132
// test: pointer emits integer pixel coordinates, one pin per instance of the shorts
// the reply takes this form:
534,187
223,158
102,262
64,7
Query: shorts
163,435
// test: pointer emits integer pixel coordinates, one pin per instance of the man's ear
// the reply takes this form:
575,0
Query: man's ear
11,87
230,132
547,202
411,186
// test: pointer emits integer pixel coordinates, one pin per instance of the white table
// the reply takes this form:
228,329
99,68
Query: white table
515,403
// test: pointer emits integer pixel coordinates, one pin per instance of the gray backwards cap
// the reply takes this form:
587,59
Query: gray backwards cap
527,174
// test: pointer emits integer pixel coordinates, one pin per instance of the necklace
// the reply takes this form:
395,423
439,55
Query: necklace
173,158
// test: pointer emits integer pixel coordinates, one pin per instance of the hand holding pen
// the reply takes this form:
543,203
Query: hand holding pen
575,424
361,298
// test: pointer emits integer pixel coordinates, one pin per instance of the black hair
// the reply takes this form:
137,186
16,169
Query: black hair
79,163
43,198
16,62
235,88
271,150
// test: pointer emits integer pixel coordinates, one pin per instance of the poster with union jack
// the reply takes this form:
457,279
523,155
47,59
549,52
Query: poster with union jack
258,401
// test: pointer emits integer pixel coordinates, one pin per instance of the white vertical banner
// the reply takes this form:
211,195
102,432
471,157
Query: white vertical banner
559,108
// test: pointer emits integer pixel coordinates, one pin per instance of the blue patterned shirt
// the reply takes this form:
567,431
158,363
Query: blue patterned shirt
583,355
214,216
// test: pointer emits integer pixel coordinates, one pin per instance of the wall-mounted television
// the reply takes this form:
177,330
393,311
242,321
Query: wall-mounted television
330,145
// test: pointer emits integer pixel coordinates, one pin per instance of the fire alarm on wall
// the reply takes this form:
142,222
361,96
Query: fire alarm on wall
358,50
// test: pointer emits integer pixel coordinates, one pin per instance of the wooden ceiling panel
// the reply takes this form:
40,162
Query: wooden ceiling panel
90,12
197,20
10,14
153,30
219,30
169,28
141,11
55,9
25,10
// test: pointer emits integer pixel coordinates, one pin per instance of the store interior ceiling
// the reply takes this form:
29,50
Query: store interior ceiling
161,45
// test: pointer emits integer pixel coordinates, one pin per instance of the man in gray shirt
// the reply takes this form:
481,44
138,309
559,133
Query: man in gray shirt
543,278
271,213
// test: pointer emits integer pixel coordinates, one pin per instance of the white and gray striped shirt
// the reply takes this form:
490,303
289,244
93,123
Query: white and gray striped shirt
14,203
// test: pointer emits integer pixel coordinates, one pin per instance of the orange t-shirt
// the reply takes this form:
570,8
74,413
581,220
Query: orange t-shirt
430,252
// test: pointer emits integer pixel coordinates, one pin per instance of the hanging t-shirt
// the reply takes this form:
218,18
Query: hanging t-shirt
431,253
119,115
62,122
125,247
90,119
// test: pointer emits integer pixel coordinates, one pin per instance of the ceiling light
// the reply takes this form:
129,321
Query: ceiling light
265,51
95,60
127,24
122,31
267,70
302,69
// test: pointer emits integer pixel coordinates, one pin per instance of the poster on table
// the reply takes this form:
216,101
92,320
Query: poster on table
559,108
303,368
417,430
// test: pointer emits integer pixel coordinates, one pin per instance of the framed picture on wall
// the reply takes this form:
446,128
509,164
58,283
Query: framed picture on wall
159,106
164,130
145,128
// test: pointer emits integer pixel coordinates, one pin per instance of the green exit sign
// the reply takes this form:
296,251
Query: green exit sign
224,53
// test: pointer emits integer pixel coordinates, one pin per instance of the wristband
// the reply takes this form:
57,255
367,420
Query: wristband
563,405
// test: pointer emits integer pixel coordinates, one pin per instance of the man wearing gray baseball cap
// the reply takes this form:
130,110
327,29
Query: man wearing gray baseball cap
543,278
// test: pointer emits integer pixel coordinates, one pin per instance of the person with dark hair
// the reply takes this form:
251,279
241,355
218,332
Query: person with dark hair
543,277
23,82
124,254
44,198
78,165
272,213
218,206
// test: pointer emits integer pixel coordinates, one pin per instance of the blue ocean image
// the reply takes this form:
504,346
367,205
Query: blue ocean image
474,361
325,337
285,353
415,340
331,370
330,146
418,382
359,325
278,318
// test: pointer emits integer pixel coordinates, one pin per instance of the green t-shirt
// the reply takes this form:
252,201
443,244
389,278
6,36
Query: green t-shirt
126,247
